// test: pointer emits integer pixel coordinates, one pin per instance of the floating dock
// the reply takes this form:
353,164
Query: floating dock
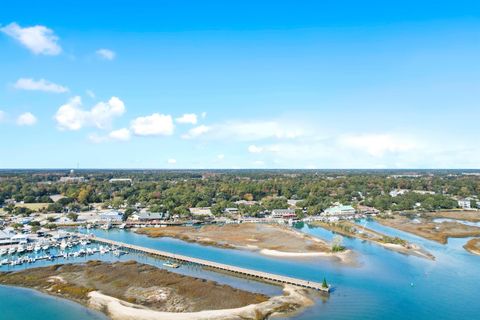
219,266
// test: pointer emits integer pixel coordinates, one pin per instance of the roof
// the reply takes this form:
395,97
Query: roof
150,215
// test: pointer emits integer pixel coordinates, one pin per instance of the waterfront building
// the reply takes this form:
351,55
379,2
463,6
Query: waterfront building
111,216
340,210
205,211
150,216
283,213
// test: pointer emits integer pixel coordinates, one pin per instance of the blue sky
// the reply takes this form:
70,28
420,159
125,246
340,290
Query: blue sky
240,84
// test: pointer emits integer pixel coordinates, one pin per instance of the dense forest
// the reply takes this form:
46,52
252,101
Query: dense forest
176,191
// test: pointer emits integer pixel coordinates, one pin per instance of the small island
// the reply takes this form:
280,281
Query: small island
354,230
268,239
473,246
426,228
127,290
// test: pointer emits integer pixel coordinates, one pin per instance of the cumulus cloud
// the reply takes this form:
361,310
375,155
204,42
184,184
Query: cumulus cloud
190,118
106,54
71,116
153,125
38,39
26,119
39,85
196,132
378,144
171,161
115,135
220,156
120,134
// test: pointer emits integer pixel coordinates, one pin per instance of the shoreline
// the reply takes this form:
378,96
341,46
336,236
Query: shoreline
292,300
152,293
407,248
344,257
473,246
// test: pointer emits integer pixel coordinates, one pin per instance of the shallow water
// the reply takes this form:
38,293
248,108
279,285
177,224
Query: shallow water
386,285
20,303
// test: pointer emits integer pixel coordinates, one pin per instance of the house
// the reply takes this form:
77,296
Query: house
149,216
367,210
246,203
72,179
205,211
465,203
111,216
56,197
340,210
283,213
231,210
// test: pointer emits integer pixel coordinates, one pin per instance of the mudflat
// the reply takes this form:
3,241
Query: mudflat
426,228
473,246
245,236
133,282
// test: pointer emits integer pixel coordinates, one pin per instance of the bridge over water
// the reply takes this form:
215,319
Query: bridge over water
219,266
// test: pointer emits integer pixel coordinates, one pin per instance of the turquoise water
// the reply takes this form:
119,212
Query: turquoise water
386,284
19,303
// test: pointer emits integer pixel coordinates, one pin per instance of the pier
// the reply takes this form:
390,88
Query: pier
219,266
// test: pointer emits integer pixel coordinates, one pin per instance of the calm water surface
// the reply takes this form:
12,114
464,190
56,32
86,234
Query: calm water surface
385,285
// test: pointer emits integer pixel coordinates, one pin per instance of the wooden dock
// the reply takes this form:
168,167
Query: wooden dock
219,266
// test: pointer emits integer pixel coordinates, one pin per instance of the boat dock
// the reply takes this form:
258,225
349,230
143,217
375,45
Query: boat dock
219,266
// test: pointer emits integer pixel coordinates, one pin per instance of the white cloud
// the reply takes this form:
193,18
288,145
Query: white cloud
120,134
26,119
204,115
153,125
106,54
71,116
116,135
196,132
39,85
220,156
254,149
38,39
171,161
250,130
378,144
187,118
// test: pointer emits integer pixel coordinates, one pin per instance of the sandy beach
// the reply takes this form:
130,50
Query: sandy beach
293,299
473,246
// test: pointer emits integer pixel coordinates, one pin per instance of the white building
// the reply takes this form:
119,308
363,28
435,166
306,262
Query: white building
465,203
205,211
340,210
283,213
111,216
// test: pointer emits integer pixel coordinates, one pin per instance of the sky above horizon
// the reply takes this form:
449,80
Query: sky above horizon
240,84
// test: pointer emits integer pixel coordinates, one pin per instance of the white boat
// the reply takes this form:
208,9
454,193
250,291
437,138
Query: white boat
122,226
171,264
63,245
30,247
20,249
12,250
3,251
37,248
45,247
106,226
